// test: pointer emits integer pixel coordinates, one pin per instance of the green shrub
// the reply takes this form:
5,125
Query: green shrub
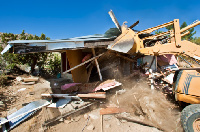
3,79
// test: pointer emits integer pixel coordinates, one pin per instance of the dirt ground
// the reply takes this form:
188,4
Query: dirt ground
142,104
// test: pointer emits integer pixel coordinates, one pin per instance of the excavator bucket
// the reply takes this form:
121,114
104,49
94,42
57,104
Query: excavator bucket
128,41
123,43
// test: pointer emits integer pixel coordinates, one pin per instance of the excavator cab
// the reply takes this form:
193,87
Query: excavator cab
187,87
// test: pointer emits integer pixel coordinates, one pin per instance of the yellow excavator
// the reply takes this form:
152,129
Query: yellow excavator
186,85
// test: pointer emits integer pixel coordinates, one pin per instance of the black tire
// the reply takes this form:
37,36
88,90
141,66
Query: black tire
190,118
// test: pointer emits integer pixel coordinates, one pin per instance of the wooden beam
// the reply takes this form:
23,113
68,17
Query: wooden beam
111,110
89,71
101,123
93,95
114,19
136,121
31,79
134,24
97,65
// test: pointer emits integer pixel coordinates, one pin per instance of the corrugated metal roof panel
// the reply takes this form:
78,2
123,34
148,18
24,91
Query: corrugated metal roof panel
83,38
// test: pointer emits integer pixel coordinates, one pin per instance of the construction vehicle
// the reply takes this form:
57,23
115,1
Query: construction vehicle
186,80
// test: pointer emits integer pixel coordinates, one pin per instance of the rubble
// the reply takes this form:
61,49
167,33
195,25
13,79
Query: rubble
77,105
15,118
116,89
61,103
22,89
111,110
90,127
93,117
67,121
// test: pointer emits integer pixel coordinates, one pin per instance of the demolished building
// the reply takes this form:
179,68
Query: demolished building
74,52
140,50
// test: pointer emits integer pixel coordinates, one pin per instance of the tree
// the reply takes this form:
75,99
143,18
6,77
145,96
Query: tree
112,32
170,27
158,32
191,30
36,37
22,35
30,59
196,40
42,37
30,37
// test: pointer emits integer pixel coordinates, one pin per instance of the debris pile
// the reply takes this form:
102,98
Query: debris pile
144,105
66,104
127,98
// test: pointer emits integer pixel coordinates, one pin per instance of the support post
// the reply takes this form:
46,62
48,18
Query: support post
97,65
101,123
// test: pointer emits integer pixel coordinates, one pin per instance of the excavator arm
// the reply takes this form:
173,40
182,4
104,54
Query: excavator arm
175,45
169,42
187,48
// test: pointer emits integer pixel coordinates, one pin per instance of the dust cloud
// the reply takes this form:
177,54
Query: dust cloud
148,105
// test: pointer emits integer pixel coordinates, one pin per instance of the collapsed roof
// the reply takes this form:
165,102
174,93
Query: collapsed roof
31,46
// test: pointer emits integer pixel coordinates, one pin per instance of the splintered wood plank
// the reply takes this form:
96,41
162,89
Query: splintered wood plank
97,65
93,95
111,110
79,74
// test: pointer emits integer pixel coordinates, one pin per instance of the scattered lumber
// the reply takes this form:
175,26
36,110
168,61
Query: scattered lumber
22,113
46,123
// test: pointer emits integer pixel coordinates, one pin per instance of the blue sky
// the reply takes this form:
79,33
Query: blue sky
64,19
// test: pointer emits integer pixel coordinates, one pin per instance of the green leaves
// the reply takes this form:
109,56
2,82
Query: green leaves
196,40
186,37
14,59
158,32
112,32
